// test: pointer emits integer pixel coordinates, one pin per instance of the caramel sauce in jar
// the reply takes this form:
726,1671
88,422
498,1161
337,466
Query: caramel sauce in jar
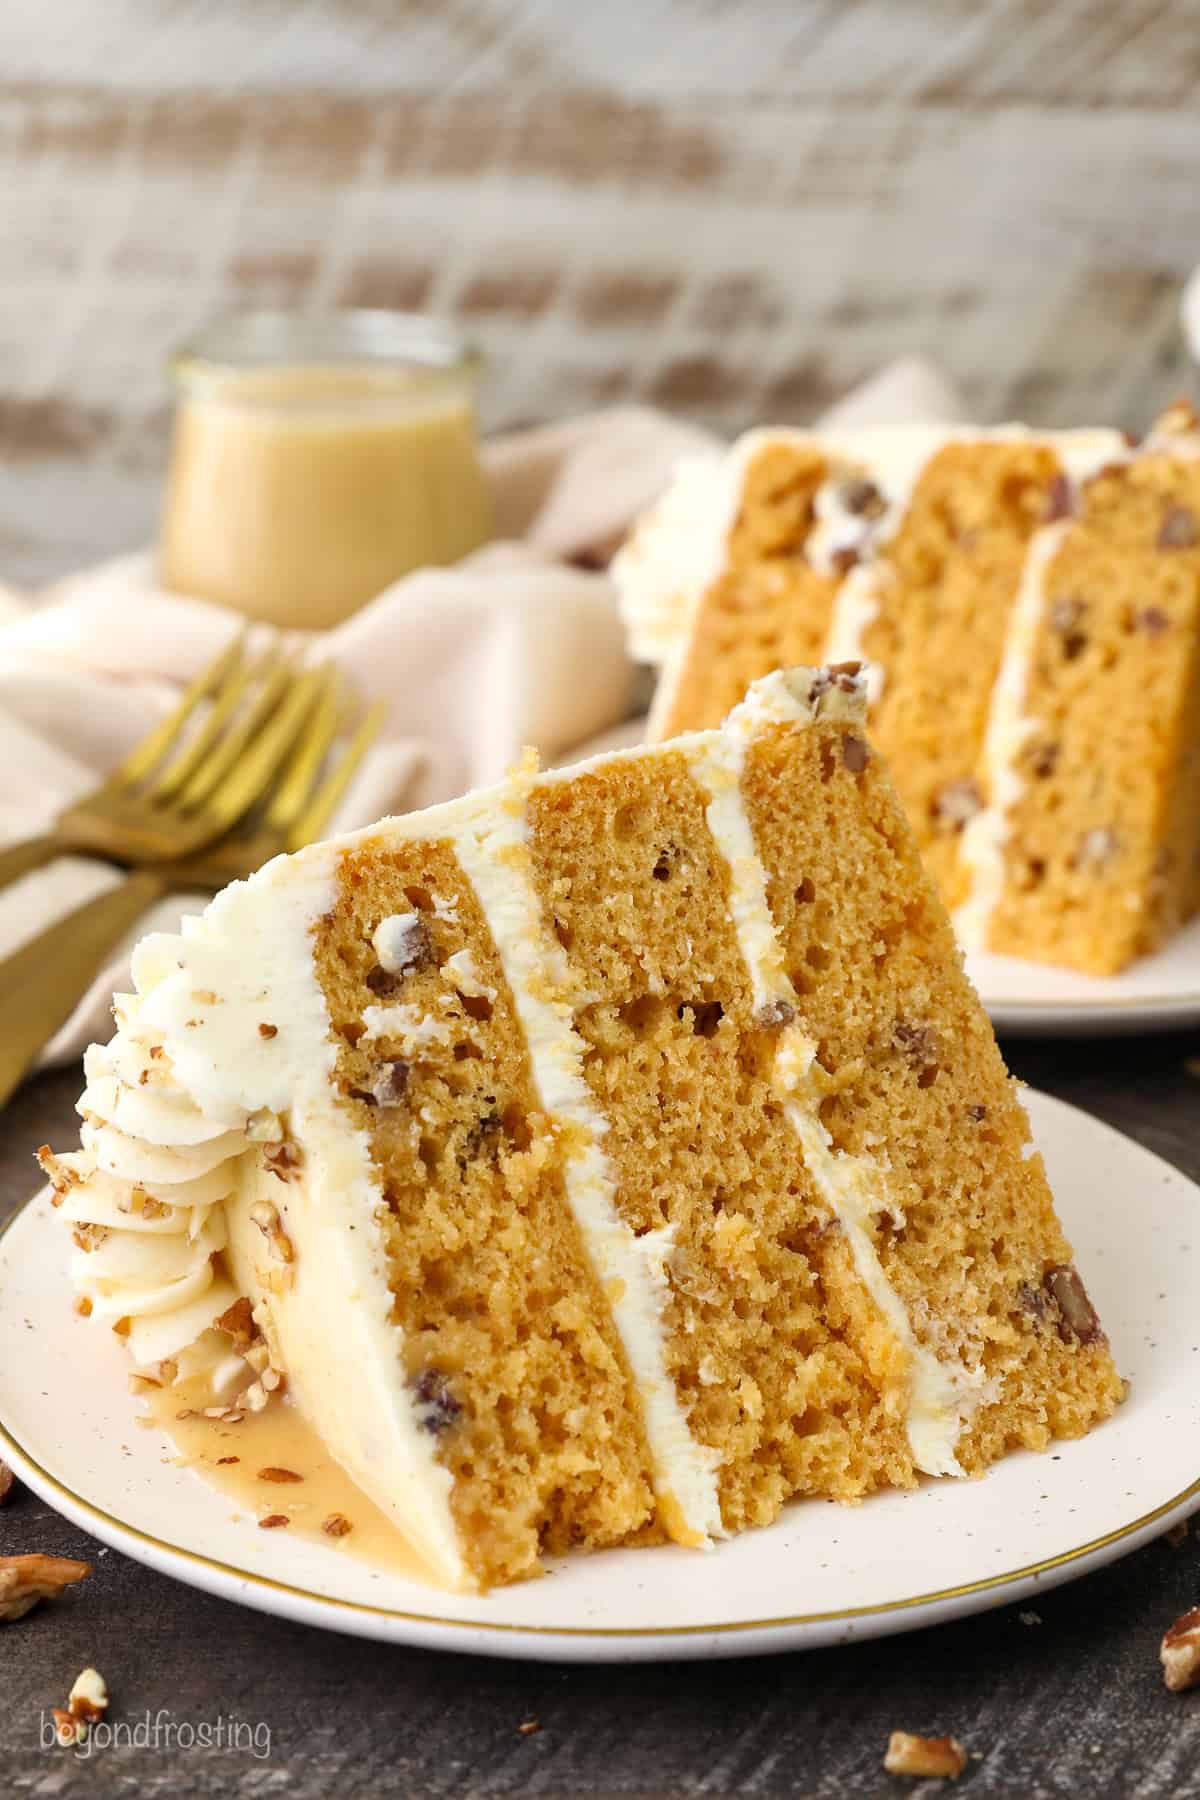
314,462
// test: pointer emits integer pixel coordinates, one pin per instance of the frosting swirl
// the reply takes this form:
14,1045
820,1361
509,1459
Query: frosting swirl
146,1191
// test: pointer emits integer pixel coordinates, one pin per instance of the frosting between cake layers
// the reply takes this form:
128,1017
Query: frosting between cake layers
942,1393
665,564
490,845
982,846
855,609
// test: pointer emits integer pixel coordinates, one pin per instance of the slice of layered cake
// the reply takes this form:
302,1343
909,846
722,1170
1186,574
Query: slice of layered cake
603,1159
1030,608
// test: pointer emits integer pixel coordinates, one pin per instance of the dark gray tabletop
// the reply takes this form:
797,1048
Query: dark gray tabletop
1073,1705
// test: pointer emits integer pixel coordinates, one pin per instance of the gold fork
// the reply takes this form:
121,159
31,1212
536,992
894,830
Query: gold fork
42,981
145,811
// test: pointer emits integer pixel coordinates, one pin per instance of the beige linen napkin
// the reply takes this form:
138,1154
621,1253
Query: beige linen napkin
512,646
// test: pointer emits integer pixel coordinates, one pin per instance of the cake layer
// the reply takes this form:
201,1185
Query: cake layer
612,1156
960,563
510,1337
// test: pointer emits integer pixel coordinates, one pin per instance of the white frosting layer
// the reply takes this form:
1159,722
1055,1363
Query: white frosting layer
856,606
237,1016
1008,730
665,564
942,1393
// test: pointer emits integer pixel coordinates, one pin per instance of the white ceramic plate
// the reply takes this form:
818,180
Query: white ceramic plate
1159,993
821,1574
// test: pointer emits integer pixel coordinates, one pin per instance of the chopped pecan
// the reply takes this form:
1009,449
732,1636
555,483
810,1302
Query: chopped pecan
6,1482
1179,1652
88,1699
1066,616
265,1216
436,1406
939,1758
921,1045
1060,500
855,753
844,676
1078,1321
381,981
60,1177
24,1580
1179,529
862,498
404,949
283,1159
773,1015
391,1084
238,1321
1043,759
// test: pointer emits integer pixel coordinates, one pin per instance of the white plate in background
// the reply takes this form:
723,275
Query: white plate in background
822,1574
1157,993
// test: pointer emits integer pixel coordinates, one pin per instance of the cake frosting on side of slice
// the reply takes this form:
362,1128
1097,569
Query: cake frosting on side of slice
1029,604
606,1158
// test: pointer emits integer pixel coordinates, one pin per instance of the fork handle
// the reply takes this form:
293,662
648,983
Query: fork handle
43,981
18,859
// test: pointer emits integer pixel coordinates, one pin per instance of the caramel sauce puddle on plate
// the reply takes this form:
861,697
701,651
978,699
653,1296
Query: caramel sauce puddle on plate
232,1458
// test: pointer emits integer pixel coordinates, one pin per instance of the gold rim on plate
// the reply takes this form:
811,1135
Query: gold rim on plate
268,1584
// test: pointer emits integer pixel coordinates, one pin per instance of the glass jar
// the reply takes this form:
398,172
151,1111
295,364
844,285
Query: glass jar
316,460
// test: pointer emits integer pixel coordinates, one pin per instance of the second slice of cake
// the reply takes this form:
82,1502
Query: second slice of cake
1029,605
609,1157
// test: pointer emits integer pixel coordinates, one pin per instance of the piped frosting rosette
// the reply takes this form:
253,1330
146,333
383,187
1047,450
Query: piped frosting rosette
145,1192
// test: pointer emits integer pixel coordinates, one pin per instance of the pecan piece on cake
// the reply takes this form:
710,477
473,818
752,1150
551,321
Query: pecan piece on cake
1078,1321
1179,529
